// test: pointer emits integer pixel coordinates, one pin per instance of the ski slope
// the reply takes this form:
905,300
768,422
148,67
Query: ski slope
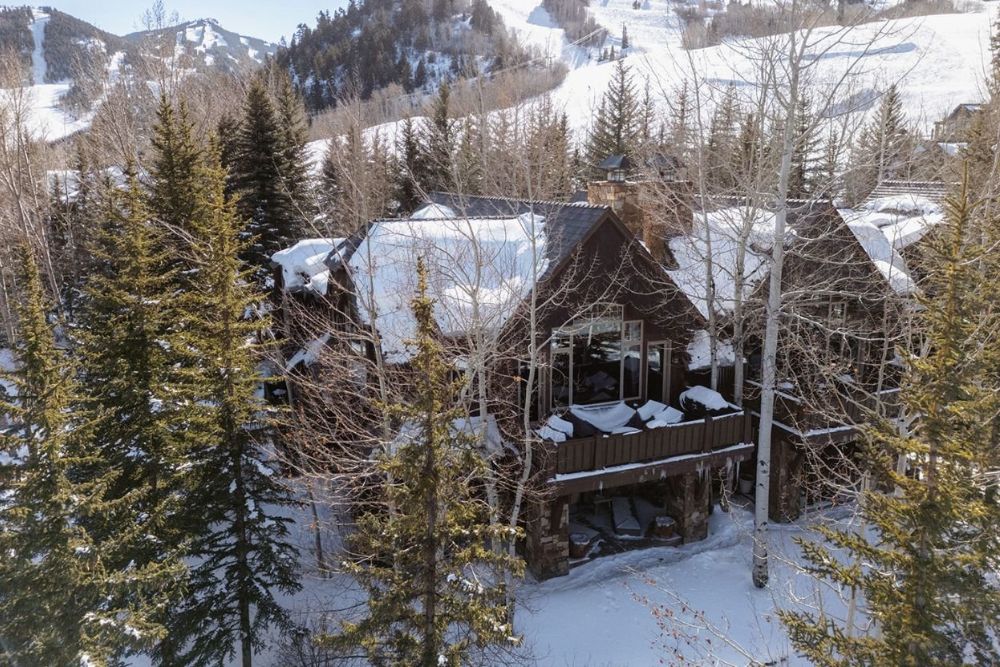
937,61
45,119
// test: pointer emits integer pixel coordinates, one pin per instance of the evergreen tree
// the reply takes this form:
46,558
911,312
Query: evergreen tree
802,177
410,170
136,395
242,551
420,75
616,127
172,168
927,576
468,172
829,170
625,42
228,131
260,177
59,602
749,149
434,582
331,188
439,143
295,135
680,123
721,144
880,154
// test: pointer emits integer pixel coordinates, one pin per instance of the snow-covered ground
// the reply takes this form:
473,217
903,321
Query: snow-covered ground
937,61
695,601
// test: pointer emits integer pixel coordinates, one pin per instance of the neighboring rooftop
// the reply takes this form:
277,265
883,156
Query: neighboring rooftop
935,191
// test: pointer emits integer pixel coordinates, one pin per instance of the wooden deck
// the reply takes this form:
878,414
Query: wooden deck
607,461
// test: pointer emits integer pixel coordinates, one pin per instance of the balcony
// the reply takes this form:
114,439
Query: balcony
607,461
831,417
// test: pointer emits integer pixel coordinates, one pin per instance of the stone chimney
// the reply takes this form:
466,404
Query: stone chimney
652,209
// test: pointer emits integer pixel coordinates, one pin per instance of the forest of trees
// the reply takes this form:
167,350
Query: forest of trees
415,44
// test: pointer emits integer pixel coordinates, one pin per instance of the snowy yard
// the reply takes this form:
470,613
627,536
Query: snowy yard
595,616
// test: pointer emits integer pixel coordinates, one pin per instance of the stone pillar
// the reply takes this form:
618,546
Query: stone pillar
786,481
547,543
688,500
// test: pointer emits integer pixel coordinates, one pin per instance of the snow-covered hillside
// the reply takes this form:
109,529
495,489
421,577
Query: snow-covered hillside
47,117
938,61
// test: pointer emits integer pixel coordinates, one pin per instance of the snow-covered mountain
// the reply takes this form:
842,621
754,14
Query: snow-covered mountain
203,43
68,62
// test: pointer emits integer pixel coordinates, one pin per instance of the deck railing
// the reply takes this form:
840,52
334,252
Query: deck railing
843,408
685,438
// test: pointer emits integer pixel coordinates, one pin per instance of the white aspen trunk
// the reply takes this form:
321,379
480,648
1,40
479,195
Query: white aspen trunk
770,352
713,333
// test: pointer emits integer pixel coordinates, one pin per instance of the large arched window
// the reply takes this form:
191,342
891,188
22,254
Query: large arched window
596,358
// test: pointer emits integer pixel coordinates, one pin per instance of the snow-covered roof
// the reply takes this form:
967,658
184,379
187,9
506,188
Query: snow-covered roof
479,269
722,233
304,266
700,351
886,225
885,258
310,353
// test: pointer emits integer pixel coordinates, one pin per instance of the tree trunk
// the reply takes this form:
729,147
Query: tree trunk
429,656
770,352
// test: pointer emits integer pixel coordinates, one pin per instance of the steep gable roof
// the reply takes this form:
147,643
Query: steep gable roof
566,224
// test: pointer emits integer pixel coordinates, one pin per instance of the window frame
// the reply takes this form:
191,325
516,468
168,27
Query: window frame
668,361
598,312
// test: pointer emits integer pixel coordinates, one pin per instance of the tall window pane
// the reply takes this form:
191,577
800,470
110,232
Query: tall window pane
631,360
597,355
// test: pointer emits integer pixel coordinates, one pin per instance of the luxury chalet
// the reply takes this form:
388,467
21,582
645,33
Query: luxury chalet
627,441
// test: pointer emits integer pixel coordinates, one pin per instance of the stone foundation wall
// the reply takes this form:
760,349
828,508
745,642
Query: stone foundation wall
547,543
786,481
688,500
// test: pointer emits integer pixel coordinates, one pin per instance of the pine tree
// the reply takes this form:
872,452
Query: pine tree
880,154
468,171
260,177
680,122
802,178
228,131
829,170
616,127
625,42
722,143
749,149
927,576
439,143
294,137
242,551
172,168
137,398
60,604
434,582
410,171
